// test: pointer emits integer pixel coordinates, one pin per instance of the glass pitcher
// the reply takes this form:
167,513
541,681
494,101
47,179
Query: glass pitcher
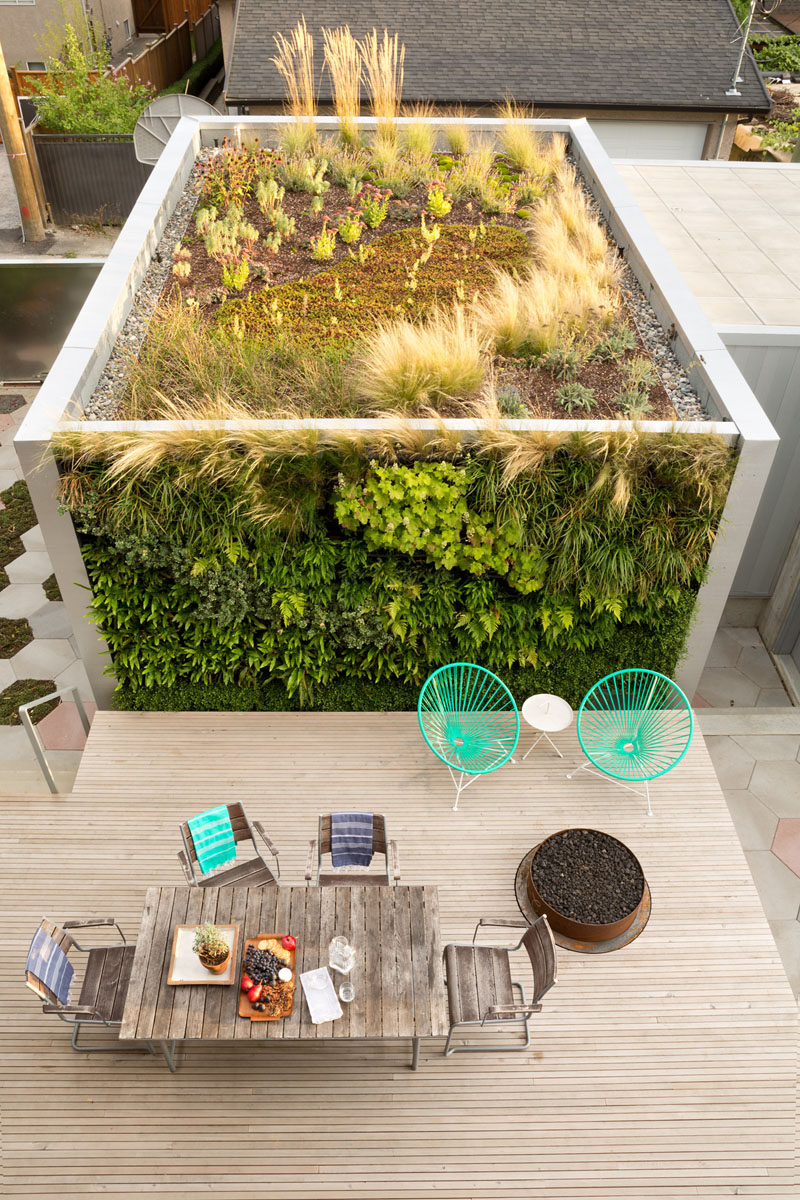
341,955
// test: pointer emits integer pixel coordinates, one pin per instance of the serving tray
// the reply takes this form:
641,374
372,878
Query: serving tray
245,1006
185,966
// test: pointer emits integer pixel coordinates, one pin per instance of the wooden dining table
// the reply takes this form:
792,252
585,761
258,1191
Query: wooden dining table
397,977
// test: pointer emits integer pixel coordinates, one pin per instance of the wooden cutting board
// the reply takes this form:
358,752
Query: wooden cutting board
245,1006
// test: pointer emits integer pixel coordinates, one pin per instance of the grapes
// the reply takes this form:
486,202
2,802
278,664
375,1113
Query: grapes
262,965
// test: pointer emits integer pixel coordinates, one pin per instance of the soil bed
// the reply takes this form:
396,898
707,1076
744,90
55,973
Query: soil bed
588,876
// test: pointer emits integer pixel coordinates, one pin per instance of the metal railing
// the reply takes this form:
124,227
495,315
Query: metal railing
36,741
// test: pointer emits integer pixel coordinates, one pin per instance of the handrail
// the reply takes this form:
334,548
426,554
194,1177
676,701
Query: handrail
36,741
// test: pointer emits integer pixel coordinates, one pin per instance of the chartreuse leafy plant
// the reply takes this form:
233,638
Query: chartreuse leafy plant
315,567
423,508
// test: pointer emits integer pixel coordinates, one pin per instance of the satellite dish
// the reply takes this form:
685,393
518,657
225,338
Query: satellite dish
157,123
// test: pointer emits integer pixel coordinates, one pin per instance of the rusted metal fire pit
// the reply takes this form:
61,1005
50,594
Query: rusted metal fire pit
590,885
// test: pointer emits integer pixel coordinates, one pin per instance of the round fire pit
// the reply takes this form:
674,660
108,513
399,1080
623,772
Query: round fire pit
589,884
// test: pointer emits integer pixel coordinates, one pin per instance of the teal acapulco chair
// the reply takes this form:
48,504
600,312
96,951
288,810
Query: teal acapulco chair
633,726
469,720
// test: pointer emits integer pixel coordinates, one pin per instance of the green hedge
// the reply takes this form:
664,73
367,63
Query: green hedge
198,74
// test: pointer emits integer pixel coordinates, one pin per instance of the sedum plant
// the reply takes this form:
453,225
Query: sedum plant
324,244
575,395
209,940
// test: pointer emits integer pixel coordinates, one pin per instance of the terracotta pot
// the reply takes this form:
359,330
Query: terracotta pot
216,968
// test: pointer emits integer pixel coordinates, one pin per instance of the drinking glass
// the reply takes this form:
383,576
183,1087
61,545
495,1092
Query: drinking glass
346,992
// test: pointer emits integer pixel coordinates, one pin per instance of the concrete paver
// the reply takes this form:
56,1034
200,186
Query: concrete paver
786,843
51,621
777,784
755,823
43,658
21,599
33,566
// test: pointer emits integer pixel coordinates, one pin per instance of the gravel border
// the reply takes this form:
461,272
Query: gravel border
105,400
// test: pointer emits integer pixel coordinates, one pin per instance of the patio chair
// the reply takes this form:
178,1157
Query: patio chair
101,1000
252,872
479,984
344,877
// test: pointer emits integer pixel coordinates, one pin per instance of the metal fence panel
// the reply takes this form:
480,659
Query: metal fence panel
89,178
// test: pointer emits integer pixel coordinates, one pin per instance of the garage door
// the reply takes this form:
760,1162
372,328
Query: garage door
651,139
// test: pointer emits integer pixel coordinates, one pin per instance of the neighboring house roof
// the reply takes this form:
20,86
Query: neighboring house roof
652,54
788,14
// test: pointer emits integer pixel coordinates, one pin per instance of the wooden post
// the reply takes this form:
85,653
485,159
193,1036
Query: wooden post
32,225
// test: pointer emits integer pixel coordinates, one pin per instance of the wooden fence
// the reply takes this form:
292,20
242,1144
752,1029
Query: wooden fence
205,32
154,16
162,62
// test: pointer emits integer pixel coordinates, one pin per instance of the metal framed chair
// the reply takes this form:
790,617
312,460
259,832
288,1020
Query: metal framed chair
469,720
251,872
330,876
101,1000
479,984
633,726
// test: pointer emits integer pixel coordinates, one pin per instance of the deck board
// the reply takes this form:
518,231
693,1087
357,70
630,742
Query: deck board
667,1069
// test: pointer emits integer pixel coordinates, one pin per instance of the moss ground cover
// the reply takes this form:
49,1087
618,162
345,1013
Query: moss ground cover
343,304
16,517
22,692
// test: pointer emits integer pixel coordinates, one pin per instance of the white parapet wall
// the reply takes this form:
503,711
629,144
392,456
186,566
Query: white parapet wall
61,401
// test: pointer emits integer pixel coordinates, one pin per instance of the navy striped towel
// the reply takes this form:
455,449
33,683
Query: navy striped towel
351,839
48,962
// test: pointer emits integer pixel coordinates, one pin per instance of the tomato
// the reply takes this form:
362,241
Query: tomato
288,942
247,983
255,992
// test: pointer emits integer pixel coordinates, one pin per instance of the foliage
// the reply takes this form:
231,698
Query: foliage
440,202
295,64
324,244
209,940
343,62
374,205
22,692
193,582
783,135
657,647
779,54
16,517
423,509
413,368
574,395
382,62
76,97
510,403
349,227
375,291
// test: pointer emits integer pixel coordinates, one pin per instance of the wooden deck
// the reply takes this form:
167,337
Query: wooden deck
666,1069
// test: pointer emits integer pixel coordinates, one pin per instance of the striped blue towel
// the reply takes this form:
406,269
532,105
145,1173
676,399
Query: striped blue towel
48,962
212,834
351,839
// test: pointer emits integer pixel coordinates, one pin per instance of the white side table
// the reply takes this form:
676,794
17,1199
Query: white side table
548,714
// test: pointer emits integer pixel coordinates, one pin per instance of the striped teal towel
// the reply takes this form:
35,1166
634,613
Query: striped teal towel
212,835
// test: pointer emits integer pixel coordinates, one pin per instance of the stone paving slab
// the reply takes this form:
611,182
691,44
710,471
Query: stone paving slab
21,599
31,567
62,729
51,621
43,658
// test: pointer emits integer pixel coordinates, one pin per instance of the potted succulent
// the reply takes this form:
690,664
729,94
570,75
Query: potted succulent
211,948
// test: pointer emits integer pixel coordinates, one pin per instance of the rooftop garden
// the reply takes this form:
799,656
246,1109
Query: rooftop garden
402,271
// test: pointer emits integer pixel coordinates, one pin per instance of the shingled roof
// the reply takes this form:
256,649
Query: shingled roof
654,54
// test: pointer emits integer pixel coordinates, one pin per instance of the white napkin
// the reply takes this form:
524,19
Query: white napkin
320,995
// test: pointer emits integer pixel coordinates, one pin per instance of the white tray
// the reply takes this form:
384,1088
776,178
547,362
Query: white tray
186,966
321,998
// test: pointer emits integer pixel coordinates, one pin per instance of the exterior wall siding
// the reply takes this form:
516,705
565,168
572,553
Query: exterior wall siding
769,359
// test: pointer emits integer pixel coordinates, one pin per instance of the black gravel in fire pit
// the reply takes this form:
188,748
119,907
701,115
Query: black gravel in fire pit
588,876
